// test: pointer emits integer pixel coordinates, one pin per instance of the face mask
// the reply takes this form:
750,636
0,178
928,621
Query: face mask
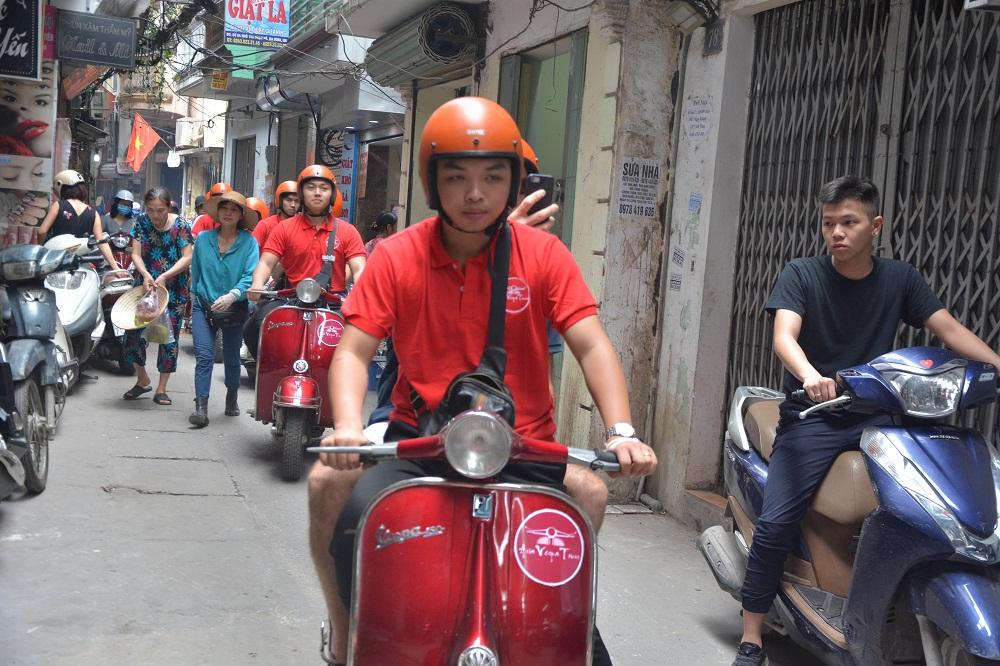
124,211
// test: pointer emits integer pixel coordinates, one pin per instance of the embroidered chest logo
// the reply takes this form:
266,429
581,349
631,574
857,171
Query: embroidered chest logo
518,295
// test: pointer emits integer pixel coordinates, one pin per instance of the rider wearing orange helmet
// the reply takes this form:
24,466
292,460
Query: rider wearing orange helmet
204,222
286,204
261,208
300,243
437,309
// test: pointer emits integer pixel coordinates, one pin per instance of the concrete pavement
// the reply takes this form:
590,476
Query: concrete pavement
159,544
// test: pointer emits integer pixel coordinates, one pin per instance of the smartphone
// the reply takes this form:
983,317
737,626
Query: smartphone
535,182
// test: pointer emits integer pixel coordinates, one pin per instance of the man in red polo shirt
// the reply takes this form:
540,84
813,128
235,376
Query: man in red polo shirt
300,244
429,287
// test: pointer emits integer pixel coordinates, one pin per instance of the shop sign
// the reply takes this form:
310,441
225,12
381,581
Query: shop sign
220,80
21,39
258,23
99,40
362,181
344,145
638,188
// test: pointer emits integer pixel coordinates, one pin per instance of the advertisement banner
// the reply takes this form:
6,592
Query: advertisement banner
259,23
20,39
27,148
97,40
346,146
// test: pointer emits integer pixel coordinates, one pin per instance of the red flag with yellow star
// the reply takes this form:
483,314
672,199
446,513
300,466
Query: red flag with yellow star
144,138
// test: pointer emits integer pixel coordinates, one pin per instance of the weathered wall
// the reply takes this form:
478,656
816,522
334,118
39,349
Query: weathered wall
691,386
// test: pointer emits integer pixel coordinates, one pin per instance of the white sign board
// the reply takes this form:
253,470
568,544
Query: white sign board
638,187
697,117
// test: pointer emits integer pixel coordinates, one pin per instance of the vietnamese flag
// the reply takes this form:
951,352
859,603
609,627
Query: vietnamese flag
144,138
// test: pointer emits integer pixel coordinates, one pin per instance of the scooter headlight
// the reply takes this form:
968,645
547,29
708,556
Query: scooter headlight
477,444
19,270
120,242
928,396
881,449
308,291
65,280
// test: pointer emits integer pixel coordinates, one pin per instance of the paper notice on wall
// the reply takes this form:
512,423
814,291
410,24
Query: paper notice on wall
638,187
697,117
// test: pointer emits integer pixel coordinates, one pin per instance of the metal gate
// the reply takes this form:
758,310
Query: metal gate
906,92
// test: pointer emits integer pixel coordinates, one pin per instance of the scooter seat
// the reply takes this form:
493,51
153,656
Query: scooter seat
846,495
761,424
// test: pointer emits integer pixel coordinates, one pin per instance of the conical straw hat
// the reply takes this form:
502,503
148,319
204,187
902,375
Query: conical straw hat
123,311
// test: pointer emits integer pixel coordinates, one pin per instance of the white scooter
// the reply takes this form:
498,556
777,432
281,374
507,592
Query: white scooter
78,296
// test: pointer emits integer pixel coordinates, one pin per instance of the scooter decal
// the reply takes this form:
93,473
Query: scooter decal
518,295
385,537
330,332
548,547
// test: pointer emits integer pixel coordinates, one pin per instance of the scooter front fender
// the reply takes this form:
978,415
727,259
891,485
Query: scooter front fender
297,391
963,603
27,354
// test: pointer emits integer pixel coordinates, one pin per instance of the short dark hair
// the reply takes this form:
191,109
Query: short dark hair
157,193
858,188
78,191
384,220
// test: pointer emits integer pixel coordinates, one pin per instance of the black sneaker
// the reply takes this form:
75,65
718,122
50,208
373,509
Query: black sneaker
750,655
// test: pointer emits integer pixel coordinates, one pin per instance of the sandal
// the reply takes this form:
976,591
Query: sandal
136,391
162,399
325,649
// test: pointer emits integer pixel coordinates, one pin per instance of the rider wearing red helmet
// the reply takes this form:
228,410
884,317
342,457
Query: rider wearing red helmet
429,286
204,222
300,243
286,204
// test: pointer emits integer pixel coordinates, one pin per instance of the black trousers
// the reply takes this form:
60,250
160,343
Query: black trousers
251,330
802,455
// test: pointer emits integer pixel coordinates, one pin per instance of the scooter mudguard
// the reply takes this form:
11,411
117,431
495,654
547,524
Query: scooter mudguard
26,355
297,391
445,569
963,603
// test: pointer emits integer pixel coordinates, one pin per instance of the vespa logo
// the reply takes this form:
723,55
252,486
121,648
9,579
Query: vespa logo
384,537
271,325
518,295
549,547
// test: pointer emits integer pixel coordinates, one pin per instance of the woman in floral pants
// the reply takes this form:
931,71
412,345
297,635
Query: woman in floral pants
161,253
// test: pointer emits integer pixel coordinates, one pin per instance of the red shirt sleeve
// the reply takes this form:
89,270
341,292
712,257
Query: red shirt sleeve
260,232
350,244
371,305
276,241
567,297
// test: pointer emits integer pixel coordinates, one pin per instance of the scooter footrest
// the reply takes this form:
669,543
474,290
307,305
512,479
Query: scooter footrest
828,606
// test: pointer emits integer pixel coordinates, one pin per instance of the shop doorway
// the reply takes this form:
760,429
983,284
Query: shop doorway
244,158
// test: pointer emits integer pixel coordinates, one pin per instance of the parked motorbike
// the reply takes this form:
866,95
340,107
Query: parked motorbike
78,295
297,341
898,553
30,320
514,565
13,445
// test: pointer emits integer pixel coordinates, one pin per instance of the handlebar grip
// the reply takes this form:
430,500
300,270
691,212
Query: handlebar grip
799,395
606,460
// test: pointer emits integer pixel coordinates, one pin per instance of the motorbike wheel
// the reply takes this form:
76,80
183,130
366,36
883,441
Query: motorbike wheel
294,443
29,403
953,654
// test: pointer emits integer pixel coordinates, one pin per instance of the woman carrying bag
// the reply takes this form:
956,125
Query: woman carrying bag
221,273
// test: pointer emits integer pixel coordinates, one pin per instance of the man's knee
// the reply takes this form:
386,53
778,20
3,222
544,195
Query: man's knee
328,490
585,486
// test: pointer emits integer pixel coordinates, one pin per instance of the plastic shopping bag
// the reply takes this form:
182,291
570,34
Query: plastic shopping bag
148,307
160,331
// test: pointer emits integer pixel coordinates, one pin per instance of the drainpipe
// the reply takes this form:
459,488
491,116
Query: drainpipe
413,149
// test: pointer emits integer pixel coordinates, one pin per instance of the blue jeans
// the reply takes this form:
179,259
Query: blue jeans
802,455
204,352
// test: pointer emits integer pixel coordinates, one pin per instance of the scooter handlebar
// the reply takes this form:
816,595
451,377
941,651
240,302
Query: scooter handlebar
594,459
370,453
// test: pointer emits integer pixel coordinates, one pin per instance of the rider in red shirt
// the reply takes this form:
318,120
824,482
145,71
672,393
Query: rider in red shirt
204,222
428,286
286,200
300,243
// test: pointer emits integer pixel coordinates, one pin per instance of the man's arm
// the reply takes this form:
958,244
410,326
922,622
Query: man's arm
787,326
357,266
348,385
606,383
959,339
261,273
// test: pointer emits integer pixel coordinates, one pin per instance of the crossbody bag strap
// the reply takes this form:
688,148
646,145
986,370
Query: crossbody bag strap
331,243
495,356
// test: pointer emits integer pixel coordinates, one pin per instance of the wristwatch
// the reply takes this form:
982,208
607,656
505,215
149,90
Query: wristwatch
620,430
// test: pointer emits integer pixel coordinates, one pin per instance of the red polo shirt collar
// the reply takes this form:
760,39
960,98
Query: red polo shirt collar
439,255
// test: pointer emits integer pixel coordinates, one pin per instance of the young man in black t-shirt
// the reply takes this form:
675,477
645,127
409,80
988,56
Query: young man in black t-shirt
831,312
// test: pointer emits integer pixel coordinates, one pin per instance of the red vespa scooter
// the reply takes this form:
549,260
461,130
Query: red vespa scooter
507,571
296,348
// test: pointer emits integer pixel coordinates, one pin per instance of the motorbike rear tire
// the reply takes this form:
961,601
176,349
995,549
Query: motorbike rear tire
293,444
30,405
953,654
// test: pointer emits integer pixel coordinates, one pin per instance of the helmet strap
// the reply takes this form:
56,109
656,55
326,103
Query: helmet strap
489,231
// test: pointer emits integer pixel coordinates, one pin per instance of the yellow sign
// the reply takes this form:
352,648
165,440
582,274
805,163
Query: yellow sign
220,80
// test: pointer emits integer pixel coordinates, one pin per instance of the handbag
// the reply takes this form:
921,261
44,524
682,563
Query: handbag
483,388
235,315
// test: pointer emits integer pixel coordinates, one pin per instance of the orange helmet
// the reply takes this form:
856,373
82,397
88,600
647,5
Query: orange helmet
320,172
530,158
258,205
219,188
469,127
286,187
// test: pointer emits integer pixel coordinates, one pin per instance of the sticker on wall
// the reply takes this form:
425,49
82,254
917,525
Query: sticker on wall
696,119
549,547
638,188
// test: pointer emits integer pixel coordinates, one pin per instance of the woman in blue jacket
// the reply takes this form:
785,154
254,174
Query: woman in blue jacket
221,272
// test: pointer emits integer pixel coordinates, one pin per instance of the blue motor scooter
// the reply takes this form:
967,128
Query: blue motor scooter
897,561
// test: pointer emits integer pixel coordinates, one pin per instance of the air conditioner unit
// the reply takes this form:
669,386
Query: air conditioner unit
184,133
439,41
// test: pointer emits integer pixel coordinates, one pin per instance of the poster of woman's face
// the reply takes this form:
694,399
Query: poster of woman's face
28,114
